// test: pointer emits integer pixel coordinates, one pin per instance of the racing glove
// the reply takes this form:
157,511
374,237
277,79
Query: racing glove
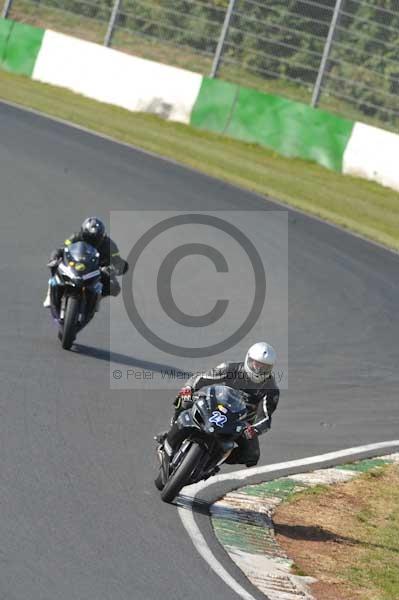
184,398
250,432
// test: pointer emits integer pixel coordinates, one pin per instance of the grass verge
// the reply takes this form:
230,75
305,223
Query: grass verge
359,205
346,536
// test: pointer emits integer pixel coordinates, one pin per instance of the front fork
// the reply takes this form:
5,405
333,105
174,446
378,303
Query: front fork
62,306
226,454
99,291
167,458
164,456
56,298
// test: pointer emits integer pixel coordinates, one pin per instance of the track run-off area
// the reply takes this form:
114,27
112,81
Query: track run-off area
80,518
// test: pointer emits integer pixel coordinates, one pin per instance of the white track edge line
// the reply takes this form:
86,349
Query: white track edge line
203,549
198,540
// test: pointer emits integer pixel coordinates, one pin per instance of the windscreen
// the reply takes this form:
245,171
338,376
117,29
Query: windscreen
80,252
228,397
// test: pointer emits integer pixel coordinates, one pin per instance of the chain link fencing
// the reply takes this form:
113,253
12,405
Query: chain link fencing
342,55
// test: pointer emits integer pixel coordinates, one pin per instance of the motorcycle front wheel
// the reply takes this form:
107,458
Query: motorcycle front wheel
181,475
70,322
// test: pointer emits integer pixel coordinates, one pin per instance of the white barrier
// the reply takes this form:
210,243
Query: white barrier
117,78
373,154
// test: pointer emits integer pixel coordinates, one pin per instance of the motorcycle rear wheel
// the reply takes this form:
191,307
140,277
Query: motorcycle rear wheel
181,475
70,322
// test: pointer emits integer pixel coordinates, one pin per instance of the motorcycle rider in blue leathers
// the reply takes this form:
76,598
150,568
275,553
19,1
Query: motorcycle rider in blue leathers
255,378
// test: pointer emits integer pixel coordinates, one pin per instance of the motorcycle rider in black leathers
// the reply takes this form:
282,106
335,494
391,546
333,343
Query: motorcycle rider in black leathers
92,231
254,377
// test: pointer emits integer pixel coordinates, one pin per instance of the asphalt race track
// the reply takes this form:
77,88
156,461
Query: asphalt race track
80,518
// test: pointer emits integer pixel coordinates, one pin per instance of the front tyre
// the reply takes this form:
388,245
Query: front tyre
70,322
181,475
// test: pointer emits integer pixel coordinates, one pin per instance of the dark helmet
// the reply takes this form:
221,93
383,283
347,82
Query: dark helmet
92,230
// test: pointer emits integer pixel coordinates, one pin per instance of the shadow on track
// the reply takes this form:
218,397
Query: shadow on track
123,359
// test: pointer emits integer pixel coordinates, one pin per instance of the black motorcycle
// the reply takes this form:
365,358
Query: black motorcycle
75,290
203,438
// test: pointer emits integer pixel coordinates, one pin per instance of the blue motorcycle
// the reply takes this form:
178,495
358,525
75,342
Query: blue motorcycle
75,290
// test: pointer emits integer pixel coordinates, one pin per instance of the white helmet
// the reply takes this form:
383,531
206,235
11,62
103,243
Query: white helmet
259,361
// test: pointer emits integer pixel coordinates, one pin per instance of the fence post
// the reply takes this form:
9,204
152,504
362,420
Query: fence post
6,9
222,38
111,24
326,54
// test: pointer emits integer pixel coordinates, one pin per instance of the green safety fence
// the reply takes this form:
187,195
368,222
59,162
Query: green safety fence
19,46
290,128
